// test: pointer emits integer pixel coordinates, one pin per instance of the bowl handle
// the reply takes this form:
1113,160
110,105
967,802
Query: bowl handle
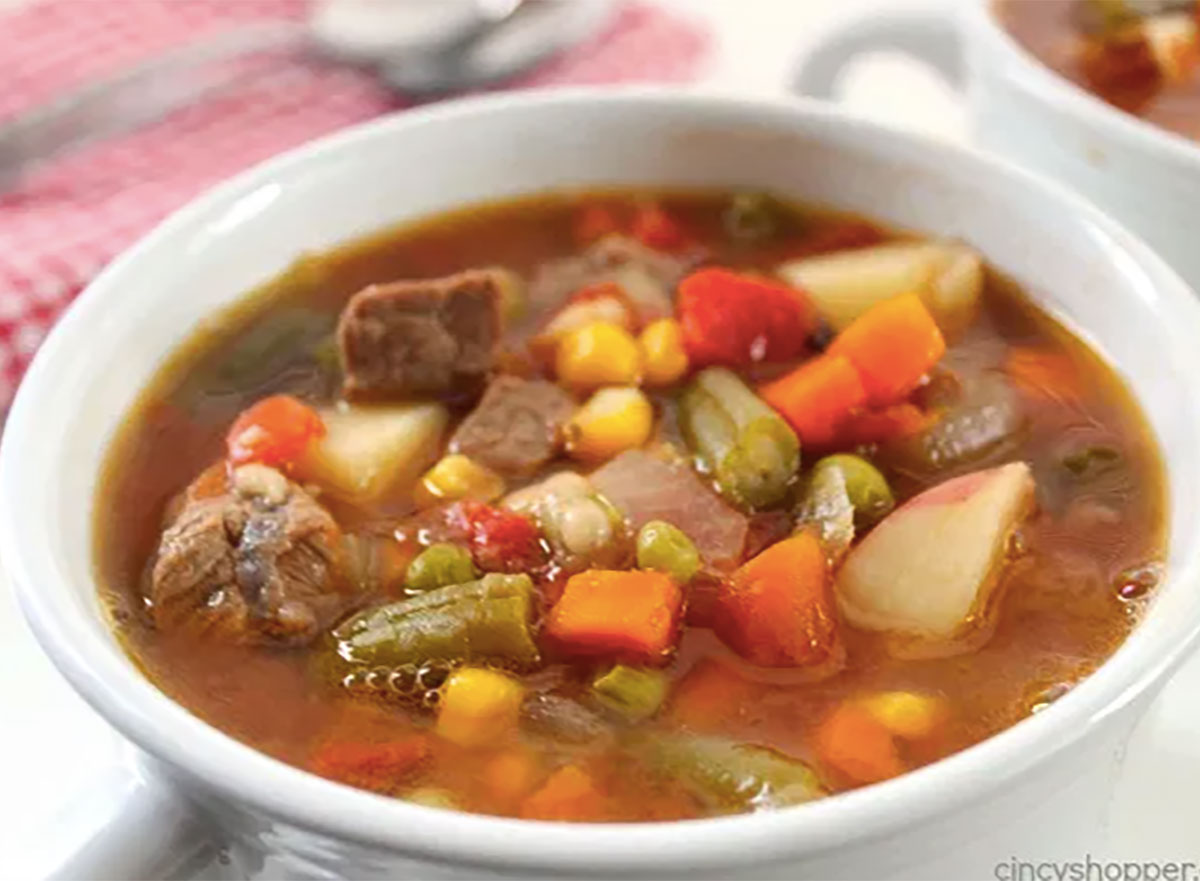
929,35
124,823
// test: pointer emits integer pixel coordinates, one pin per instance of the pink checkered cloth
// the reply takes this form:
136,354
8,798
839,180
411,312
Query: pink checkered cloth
70,218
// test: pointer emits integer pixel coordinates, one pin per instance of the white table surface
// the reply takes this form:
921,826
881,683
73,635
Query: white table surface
51,743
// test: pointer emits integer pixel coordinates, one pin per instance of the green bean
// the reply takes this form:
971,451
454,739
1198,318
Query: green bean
826,505
663,547
635,693
747,447
440,565
866,487
733,776
751,217
482,620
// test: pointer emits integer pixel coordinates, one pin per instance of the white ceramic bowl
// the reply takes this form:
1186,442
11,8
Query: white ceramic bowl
1145,176
283,822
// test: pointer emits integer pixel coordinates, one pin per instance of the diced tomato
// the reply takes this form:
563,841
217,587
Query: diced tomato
377,766
736,320
276,431
655,228
501,540
594,222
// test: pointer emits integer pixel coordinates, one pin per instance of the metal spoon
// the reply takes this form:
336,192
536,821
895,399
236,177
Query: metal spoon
466,46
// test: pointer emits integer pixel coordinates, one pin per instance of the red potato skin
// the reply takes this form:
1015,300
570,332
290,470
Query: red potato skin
955,490
883,583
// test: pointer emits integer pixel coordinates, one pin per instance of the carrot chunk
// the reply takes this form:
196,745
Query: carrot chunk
377,766
569,794
779,606
631,615
817,398
892,345
479,707
709,695
854,743
275,431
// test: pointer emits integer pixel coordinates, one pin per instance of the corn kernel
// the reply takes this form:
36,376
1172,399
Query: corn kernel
513,774
478,707
458,477
598,354
611,421
664,360
905,714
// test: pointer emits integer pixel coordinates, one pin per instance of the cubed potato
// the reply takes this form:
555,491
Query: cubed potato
927,570
948,276
368,451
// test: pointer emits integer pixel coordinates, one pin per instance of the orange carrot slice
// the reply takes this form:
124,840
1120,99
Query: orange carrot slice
779,606
817,398
892,345
631,615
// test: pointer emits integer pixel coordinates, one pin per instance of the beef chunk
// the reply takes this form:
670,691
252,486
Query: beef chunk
517,427
256,560
649,277
416,338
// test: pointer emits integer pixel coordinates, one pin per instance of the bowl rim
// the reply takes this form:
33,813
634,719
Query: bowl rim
238,773
1068,98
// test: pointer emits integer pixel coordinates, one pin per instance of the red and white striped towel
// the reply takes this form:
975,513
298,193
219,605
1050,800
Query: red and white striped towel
70,218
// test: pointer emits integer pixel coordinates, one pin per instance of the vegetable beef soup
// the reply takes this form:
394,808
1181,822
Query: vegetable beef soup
1140,55
628,506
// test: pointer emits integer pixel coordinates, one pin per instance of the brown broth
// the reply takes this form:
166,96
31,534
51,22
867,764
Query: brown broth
1059,618
1051,31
